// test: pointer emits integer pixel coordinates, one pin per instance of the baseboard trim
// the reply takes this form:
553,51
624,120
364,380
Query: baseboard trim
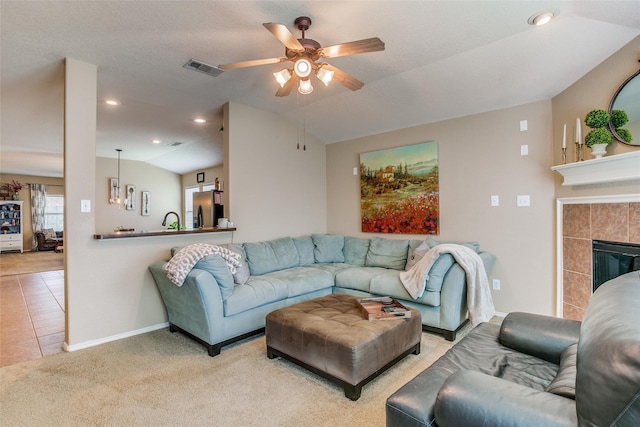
93,343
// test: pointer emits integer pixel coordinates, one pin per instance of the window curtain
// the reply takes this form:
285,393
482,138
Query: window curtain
38,204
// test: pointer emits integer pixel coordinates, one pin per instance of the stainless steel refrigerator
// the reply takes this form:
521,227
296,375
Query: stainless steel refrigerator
207,208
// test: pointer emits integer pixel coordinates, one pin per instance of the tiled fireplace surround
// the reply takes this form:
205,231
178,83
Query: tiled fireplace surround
582,223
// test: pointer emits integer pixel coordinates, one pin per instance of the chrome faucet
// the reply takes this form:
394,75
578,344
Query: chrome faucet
164,221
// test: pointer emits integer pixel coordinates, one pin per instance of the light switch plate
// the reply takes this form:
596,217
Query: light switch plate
523,201
355,171
523,125
495,201
524,150
85,206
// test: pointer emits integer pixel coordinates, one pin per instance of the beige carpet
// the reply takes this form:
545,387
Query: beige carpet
30,262
165,379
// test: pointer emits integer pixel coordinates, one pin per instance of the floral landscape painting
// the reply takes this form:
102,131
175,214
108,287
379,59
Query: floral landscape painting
399,190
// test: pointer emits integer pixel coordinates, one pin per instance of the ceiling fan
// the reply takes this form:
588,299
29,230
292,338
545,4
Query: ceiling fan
306,54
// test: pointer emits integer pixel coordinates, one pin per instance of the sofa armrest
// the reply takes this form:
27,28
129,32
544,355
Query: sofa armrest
196,306
540,336
453,296
469,398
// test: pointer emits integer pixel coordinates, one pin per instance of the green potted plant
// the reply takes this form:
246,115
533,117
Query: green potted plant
599,136
619,118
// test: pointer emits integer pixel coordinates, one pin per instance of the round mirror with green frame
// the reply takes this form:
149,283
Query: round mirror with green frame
627,99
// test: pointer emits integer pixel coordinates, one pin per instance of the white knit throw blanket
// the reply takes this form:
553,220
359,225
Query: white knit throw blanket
479,300
186,258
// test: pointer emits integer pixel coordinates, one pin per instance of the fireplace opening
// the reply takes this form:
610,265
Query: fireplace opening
612,259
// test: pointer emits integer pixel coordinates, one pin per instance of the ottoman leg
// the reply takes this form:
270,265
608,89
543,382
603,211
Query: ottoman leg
270,353
353,392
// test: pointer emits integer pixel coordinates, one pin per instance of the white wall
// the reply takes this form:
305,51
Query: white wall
274,188
479,157
165,188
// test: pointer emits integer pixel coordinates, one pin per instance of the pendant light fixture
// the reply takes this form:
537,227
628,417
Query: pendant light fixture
116,192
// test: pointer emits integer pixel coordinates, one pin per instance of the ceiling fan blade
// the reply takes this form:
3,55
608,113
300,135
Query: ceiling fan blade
288,86
373,44
343,78
252,63
283,34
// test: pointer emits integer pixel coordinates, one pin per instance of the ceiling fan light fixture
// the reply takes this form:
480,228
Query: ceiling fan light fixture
305,87
302,68
325,76
282,76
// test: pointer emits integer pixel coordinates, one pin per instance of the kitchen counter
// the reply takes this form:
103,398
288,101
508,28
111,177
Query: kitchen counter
151,233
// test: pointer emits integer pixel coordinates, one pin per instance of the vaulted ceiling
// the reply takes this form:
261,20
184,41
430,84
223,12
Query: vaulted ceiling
443,59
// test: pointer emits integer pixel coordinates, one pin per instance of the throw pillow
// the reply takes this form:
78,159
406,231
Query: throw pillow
387,253
218,268
242,272
417,254
328,247
564,384
49,234
304,245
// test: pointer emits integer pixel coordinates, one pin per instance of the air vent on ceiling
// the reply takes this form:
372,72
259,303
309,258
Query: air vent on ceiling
175,144
209,70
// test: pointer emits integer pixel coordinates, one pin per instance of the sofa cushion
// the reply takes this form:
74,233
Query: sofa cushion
218,268
332,267
328,247
304,246
256,292
389,284
355,250
49,233
387,253
358,278
242,273
272,255
301,280
564,384
471,245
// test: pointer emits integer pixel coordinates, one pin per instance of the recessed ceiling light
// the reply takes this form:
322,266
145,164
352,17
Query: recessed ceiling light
200,120
542,18
156,141
112,102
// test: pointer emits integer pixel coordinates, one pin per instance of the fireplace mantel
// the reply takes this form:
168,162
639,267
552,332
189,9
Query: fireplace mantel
616,168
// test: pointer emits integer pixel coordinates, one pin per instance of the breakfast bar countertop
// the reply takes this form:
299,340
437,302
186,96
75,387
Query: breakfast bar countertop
124,234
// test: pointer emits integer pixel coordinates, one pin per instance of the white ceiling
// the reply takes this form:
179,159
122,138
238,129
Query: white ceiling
443,59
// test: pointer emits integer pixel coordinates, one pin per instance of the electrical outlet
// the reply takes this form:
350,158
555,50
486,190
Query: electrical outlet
524,150
496,284
495,201
355,171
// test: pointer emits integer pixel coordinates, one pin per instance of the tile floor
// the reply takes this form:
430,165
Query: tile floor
31,316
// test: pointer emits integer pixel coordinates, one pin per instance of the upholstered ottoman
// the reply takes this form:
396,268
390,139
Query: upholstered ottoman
330,337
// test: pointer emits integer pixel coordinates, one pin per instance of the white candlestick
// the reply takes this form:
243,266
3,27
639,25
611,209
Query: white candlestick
578,131
564,136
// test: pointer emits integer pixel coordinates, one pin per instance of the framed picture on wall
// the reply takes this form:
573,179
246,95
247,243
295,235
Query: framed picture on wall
200,177
130,199
113,190
399,190
146,203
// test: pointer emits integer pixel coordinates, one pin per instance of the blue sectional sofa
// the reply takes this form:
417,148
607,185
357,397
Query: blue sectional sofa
216,307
